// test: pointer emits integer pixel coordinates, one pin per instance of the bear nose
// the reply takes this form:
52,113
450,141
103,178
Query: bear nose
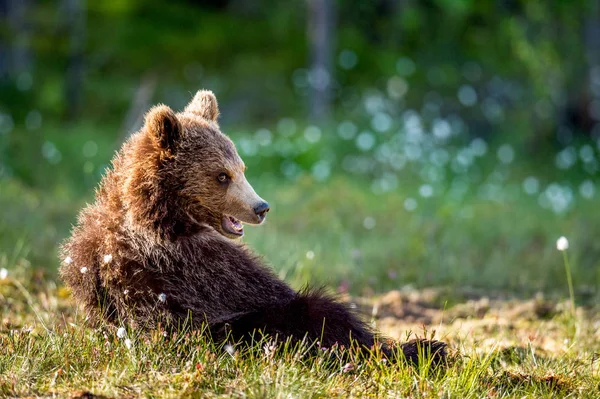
261,210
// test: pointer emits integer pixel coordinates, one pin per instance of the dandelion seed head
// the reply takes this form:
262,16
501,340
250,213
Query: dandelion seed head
83,270
310,255
107,258
3,274
562,244
229,349
121,332
128,343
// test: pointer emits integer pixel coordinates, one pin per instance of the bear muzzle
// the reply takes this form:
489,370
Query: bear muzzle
235,228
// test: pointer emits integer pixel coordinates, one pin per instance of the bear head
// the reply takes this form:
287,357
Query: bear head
185,172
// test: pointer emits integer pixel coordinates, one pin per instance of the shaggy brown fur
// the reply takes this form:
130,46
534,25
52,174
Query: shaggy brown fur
156,247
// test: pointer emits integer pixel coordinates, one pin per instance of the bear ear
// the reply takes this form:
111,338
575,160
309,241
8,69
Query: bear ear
164,128
204,104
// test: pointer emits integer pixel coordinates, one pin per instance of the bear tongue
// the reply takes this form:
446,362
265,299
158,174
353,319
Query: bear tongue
232,226
236,223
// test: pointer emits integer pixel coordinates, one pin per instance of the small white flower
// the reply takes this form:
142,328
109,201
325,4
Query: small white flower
128,343
68,260
229,349
562,244
3,274
269,348
125,292
83,270
121,332
107,258
162,297
347,367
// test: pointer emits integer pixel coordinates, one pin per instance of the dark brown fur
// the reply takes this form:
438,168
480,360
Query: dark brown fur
156,228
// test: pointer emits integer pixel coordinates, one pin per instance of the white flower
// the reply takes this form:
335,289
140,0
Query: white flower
3,274
347,367
229,349
126,292
121,332
162,297
269,348
107,258
68,260
562,244
83,270
128,343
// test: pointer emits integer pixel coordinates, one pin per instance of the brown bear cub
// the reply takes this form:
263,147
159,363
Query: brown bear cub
158,247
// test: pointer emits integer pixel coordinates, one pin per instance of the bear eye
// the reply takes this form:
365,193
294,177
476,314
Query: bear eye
223,177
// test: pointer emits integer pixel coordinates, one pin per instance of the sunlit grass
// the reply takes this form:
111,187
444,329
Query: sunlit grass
49,350
317,233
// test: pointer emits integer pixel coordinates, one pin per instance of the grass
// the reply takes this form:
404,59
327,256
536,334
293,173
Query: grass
316,233
486,269
483,275
511,349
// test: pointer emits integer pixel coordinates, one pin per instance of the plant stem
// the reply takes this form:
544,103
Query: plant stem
569,281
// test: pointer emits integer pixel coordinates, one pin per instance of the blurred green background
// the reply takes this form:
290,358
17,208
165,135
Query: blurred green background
399,142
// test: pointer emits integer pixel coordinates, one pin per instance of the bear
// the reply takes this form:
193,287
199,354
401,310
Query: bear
160,245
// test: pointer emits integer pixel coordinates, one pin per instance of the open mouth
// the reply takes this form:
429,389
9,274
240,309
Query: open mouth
232,226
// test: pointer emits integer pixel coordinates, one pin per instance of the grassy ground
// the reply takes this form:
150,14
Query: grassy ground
500,348
488,250
489,265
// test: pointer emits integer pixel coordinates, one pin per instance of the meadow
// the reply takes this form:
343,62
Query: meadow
459,244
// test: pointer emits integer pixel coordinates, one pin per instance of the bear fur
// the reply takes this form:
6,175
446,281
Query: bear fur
157,247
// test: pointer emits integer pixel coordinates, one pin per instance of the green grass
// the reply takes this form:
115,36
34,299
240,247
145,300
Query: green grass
504,246
49,351
485,259
315,233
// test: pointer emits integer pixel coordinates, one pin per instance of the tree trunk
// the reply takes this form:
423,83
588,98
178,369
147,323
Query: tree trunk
141,101
320,33
74,80
592,34
590,90
15,49
4,59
